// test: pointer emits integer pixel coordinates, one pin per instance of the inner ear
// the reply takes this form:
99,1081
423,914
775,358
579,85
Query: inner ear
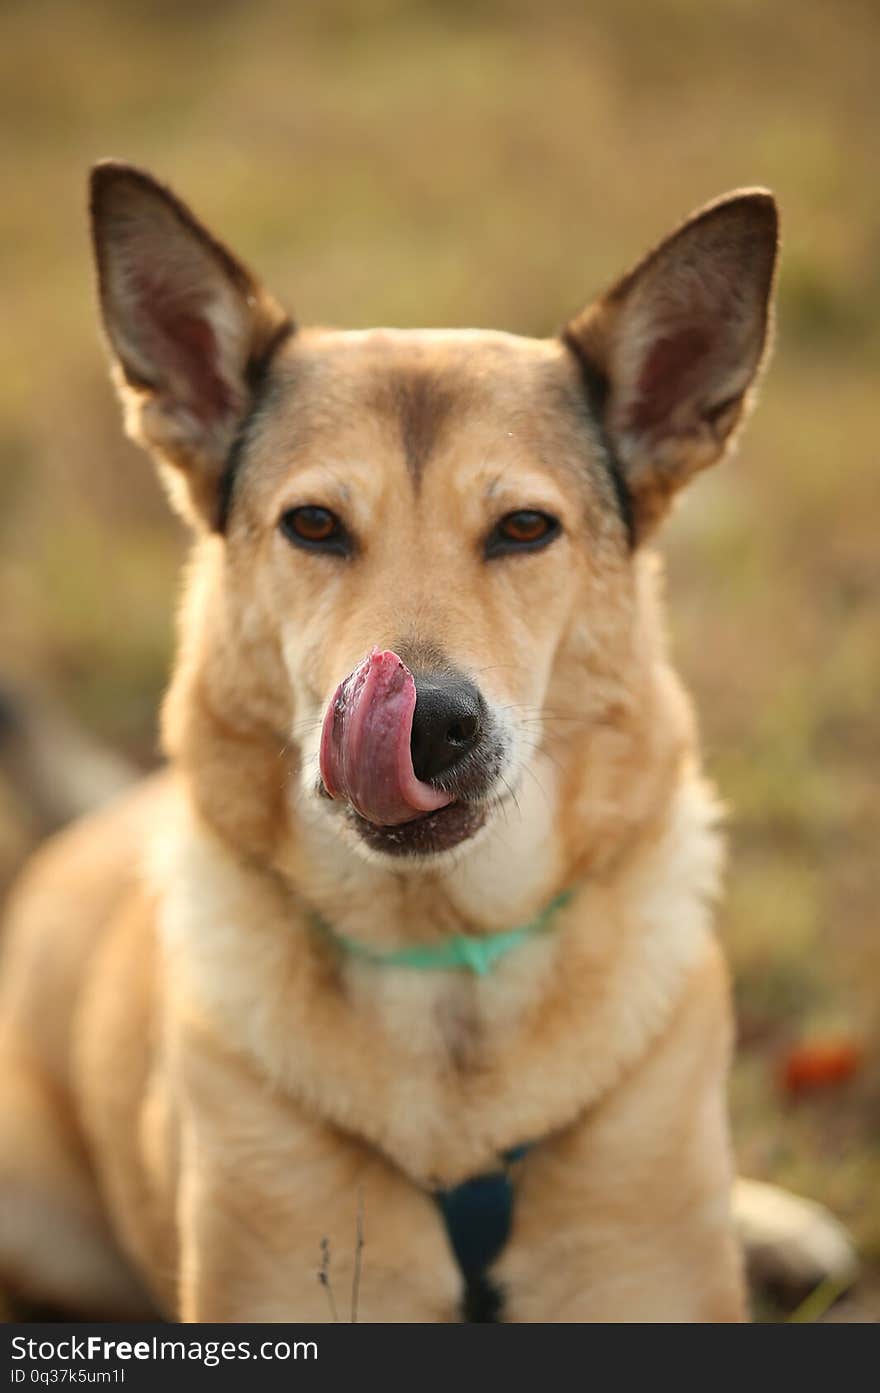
182,339
670,371
676,345
189,328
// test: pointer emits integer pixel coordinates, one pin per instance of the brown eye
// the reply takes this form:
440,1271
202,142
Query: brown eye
524,527
315,529
525,530
312,524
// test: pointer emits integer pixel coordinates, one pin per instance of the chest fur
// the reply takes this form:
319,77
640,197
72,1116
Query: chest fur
441,1071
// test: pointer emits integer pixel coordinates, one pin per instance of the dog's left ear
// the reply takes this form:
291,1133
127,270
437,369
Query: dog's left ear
189,328
669,352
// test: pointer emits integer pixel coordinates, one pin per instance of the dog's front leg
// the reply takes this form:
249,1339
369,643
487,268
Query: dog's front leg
626,1215
270,1198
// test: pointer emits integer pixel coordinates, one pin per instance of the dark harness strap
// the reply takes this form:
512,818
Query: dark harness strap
478,1215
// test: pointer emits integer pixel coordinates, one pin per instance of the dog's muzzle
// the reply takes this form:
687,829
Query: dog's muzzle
366,744
394,747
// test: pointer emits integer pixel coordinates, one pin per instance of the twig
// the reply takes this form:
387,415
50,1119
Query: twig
358,1250
324,1277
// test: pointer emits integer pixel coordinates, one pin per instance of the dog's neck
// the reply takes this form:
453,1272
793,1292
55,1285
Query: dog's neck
507,874
303,1012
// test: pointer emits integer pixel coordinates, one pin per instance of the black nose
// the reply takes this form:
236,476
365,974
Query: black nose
447,724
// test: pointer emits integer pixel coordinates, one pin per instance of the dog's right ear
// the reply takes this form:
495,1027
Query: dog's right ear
189,329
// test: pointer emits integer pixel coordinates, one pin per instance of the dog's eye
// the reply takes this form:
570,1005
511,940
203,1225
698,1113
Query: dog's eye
316,529
524,530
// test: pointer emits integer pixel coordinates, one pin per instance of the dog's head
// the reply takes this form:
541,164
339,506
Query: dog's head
421,562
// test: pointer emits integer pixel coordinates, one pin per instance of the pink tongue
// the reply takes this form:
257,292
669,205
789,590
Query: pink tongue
365,744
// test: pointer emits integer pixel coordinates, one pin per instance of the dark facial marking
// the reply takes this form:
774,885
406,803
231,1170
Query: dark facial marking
422,404
258,380
596,389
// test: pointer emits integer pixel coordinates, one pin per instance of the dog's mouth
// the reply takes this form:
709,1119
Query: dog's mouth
366,764
427,835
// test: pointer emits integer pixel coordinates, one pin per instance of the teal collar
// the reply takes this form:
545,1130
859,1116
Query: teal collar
477,955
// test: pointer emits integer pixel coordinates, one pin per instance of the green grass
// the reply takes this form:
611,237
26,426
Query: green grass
494,163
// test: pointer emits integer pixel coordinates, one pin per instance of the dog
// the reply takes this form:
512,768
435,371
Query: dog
400,979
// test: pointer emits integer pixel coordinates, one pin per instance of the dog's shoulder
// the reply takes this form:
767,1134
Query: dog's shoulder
65,899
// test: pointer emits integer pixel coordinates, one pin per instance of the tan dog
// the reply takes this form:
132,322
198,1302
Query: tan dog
421,691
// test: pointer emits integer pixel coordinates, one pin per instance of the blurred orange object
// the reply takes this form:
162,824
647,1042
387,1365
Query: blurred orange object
820,1063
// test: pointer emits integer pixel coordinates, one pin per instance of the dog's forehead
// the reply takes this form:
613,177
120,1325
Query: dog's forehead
420,386
384,369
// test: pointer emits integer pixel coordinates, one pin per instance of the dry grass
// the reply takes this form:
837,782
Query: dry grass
493,162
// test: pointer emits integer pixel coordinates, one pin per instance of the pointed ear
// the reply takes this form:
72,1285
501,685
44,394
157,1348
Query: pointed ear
669,352
189,329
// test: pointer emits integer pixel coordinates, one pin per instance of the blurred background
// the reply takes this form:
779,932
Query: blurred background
494,162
